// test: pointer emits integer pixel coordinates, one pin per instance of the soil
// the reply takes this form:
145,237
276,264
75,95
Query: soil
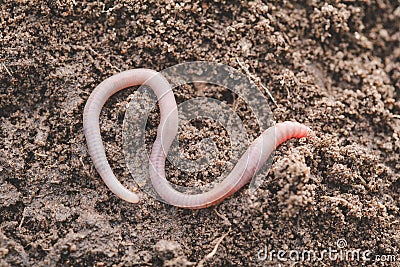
334,66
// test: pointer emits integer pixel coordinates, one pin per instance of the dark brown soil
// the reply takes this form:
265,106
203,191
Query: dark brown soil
333,65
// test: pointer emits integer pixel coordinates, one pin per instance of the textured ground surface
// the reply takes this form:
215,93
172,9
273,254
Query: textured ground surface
334,66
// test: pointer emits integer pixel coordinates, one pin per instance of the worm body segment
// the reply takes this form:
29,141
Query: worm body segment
250,162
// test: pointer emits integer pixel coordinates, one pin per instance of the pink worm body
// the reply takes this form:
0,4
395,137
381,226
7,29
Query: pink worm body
250,162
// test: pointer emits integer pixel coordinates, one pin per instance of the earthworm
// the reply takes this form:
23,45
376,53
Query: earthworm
250,162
